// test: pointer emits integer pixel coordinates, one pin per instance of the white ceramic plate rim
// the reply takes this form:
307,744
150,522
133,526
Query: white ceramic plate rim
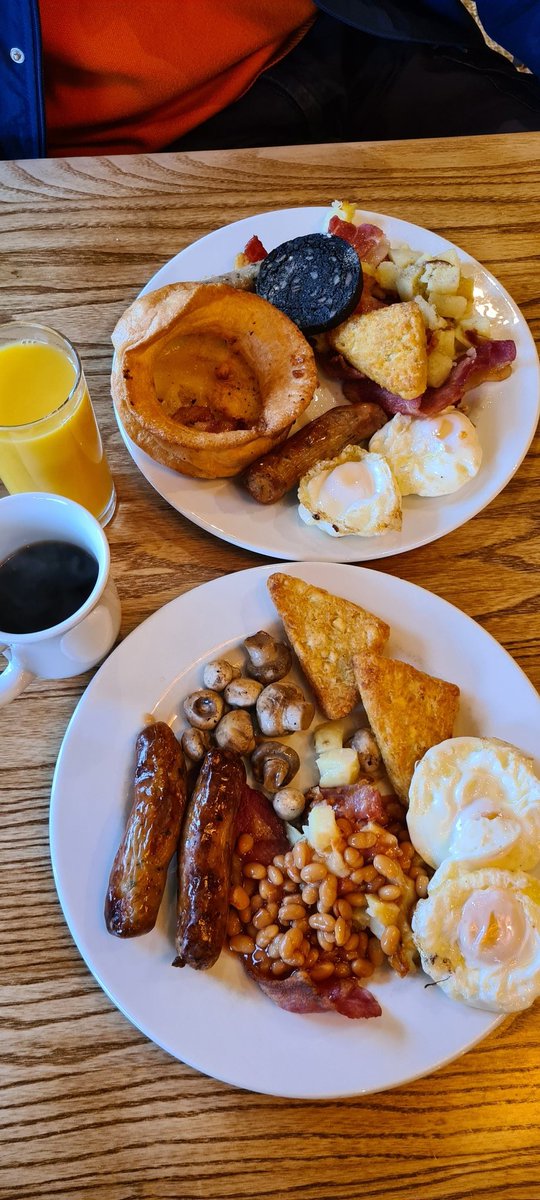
149,672
221,508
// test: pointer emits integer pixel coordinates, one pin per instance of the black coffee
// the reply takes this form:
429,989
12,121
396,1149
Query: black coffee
42,584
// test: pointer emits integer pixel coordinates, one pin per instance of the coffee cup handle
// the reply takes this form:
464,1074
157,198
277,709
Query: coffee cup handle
14,678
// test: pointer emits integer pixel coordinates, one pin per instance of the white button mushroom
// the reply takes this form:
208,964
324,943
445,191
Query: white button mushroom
218,674
282,708
204,708
268,660
289,803
235,732
242,692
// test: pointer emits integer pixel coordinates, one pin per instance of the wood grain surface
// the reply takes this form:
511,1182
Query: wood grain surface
90,1108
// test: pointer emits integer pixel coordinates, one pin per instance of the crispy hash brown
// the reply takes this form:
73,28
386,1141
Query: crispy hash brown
408,711
325,632
389,346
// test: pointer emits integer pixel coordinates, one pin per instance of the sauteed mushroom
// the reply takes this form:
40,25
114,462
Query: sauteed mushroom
274,765
204,708
282,708
235,732
242,692
268,660
218,674
195,743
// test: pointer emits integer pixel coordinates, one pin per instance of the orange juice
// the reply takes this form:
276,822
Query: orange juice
49,439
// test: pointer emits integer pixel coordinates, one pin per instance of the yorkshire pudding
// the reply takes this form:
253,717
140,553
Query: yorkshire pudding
207,378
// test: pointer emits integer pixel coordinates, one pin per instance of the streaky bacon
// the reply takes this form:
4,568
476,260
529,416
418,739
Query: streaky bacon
370,243
254,250
354,801
487,360
257,817
300,994
336,367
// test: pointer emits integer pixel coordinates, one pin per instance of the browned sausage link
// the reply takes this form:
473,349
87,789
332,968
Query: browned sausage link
268,479
139,871
205,860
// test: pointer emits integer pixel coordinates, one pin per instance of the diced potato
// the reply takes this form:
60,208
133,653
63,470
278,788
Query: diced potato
466,287
331,734
402,255
386,275
448,306
462,338
408,282
367,269
432,320
344,209
381,913
240,261
322,828
478,323
338,767
444,341
438,368
439,276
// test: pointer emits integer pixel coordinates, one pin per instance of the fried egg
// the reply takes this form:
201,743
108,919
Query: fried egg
353,493
429,456
478,935
476,800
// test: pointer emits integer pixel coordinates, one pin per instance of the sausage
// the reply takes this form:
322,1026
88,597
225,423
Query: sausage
205,860
268,479
139,872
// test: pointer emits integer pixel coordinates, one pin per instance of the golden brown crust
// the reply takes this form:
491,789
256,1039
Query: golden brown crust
408,711
272,377
139,872
389,346
325,632
269,479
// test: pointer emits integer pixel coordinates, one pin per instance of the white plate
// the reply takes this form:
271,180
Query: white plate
505,414
218,1021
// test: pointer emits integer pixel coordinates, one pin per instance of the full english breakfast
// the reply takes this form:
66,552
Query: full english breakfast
211,378
306,846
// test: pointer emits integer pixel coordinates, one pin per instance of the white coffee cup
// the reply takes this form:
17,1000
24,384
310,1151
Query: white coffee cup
83,639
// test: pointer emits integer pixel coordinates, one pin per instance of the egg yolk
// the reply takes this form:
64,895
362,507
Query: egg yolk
492,928
346,485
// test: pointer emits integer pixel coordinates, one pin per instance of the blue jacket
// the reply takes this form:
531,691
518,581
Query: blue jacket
515,26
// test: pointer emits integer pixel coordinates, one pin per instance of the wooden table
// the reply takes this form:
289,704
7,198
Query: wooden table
90,1108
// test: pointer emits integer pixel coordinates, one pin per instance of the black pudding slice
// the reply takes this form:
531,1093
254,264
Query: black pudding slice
316,280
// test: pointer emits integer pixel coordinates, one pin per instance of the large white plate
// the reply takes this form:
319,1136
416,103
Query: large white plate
219,1021
505,414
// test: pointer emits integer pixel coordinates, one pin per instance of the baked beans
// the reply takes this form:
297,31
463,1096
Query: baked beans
296,913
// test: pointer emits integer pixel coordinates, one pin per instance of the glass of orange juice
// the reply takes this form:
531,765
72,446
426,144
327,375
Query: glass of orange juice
49,438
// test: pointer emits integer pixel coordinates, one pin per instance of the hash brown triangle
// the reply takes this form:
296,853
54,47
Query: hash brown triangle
389,346
325,632
408,711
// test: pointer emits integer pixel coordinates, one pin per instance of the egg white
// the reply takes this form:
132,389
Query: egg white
430,456
336,508
480,974
476,800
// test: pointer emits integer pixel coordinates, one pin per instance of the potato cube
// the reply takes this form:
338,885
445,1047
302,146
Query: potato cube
448,306
438,368
429,313
466,287
439,276
402,255
338,767
478,323
408,282
386,275
443,340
